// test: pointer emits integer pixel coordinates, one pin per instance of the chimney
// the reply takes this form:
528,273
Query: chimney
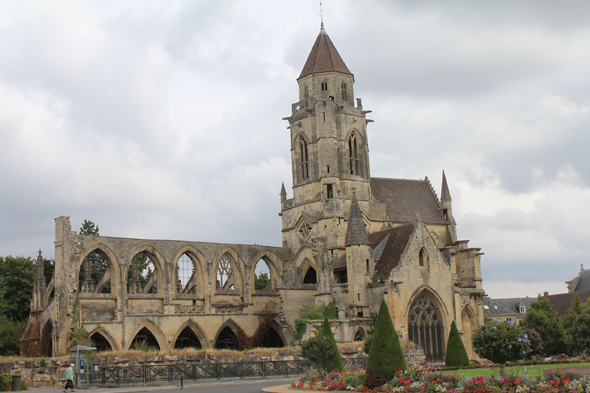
545,294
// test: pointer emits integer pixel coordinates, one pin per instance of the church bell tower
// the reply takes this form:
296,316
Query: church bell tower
329,152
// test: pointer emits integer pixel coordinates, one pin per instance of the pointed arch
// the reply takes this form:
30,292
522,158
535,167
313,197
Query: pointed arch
426,324
359,335
154,330
302,155
195,329
50,287
423,258
46,342
199,263
107,335
223,338
226,258
271,260
468,325
355,153
159,262
269,334
111,275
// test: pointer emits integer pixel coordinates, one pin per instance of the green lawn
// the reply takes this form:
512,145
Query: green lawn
529,371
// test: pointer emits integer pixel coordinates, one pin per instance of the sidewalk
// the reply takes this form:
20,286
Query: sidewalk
176,386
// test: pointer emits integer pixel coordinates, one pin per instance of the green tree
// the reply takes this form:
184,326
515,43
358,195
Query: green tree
261,281
579,332
501,342
10,335
541,317
567,322
317,349
386,357
314,312
89,228
18,275
456,355
331,363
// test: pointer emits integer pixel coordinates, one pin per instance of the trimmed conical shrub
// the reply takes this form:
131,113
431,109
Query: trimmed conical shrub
332,363
386,357
456,353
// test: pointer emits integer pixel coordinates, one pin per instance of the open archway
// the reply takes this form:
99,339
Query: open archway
142,276
144,340
46,344
425,327
100,342
359,335
227,339
311,276
187,339
468,323
95,273
263,278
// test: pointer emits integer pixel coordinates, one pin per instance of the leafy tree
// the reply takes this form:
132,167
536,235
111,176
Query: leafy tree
331,363
386,357
261,281
317,349
456,355
145,266
18,274
541,317
48,269
579,333
314,312
10,335
536,343
501,342
567,322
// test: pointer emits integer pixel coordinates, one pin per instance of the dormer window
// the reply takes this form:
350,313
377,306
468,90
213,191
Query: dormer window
522,309
324,86
344,92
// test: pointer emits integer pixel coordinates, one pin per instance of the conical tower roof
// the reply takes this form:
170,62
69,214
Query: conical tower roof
323,57
445,195
356,233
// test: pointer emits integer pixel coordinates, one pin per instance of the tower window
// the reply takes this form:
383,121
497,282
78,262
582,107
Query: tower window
324,86
353,155
368,267
344,92
303,159
306,92
330,191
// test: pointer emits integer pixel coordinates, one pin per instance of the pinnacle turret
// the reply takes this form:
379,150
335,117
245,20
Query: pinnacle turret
445,195
356,233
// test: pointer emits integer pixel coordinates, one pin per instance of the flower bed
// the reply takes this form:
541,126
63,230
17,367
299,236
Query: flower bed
419,380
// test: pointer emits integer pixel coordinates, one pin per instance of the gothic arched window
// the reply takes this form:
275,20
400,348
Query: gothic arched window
185,275
303,159
423,257
353,154
225,273
304,230
425,328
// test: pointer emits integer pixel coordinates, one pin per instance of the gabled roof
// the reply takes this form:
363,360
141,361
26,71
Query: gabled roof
583,281
508,306
561,302
404,198
323,57
388,247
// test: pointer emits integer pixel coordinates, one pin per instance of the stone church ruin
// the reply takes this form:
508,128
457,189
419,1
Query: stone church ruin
346,236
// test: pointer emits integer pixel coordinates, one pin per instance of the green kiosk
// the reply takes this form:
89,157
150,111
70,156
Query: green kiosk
84,358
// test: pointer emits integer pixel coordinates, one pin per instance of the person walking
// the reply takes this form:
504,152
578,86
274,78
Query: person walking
69,378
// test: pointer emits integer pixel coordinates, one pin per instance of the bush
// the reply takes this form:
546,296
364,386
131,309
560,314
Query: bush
5,383
317,349
332,363
386,357
456,354
10,335
501,342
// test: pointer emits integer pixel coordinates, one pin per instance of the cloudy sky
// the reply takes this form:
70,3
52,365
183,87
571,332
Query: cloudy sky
162,119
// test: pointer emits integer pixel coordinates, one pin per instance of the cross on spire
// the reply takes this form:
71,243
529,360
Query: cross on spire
322,18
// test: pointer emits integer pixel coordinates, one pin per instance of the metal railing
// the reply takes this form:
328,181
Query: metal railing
194,372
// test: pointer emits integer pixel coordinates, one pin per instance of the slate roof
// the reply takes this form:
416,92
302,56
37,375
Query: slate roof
388,247
583,281
508,306
323,58
404,198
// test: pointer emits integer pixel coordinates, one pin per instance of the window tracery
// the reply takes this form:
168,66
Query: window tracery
185,275
305,230
353,155
425,327
225,273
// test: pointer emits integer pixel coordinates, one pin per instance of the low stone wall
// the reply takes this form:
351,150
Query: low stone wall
49,372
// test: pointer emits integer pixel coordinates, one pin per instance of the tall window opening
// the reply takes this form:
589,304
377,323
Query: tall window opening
425,328
341,275
330,191
185,275
226,279
353,155
310,276
423,257
262,276
344,92
142,277
95,275
303,159
306,92
324,86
